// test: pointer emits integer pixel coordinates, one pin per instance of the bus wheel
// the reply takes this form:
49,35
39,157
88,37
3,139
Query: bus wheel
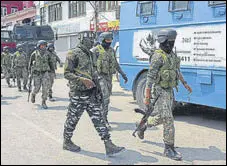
140,91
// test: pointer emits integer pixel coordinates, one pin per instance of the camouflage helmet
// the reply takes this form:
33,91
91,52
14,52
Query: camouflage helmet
40,42
106,35
50,45
5,48
166,34
19,46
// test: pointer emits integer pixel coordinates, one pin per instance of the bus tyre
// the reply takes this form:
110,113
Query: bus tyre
140,91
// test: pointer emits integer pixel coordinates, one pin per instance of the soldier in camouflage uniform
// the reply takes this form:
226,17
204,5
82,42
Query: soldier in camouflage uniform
162,77
40,65
6,64
107,65
54,59
20,65
80,71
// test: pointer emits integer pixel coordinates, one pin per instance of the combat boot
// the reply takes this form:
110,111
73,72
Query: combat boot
44,104
33,98
171,153
141,131
19,89
111,149
69,145
51,98
9,85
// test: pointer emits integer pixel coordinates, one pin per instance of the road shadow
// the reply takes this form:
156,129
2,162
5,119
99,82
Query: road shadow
126,126
134,102
51,108
201,116
10,98
191,154
61,99
115,109
129,157
120,94
4,102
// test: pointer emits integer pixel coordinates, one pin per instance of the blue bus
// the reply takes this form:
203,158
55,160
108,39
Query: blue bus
200,43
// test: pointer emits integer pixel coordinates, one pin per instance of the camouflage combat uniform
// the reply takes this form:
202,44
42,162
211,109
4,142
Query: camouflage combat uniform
41,65
52,74
7,66
107,65
79,65
20,64
161,78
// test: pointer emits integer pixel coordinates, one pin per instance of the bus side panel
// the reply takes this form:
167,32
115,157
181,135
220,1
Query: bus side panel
208,88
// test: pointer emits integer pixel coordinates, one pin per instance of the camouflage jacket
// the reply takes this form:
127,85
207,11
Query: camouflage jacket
79,64
54,58
6,59
40,63
20,59
106,61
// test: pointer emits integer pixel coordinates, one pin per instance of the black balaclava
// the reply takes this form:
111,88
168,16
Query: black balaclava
167,46
51,49
20,49
105,45
42,51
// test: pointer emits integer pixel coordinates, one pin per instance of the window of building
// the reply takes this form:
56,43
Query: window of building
105,6
178,6
14,9
3,11
216,3
42,16
55,12
77,8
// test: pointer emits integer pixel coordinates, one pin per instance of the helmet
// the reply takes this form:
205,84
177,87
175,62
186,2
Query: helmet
106,35
50,45
19,46
6,48
166,34
41,42
87,38
86,34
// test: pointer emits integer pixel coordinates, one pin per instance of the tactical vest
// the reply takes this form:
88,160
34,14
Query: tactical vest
20,59
41,62
168,77
106,61
7,59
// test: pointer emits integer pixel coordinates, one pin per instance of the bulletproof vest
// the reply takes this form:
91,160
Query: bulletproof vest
168,77
7,59
54,59
107,59
41,62
20,59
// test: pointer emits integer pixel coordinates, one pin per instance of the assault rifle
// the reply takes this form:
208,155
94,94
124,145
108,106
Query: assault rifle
146,114
97,91
30,84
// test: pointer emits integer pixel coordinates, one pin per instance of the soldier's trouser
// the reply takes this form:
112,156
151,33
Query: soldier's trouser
6,71
41,79
21,71
105,88
164,115
52,77
78,104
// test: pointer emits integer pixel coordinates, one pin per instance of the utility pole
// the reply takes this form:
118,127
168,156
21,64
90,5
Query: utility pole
95,6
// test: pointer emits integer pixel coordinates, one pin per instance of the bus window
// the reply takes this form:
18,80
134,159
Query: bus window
175,6
216,3
145,8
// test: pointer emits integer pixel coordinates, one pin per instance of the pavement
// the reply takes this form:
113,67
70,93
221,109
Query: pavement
32,135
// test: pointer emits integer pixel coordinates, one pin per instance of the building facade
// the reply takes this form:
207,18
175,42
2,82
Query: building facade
67,18
16,12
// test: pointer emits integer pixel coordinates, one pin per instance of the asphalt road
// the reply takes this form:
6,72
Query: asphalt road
31,135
